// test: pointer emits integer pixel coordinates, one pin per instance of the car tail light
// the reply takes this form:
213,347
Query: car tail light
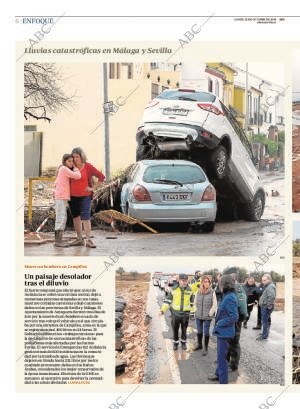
206,135
211,108
152,104
141,194
209,194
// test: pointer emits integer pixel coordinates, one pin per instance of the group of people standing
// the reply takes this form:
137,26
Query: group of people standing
74,186
229,304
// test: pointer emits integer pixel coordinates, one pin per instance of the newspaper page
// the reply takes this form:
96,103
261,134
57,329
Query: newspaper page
157,197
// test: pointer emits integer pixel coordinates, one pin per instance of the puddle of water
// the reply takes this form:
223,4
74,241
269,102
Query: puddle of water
156,366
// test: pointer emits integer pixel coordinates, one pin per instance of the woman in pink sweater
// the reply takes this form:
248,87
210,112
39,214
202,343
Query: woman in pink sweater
66,171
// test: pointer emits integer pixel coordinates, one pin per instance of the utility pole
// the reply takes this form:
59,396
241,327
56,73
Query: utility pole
106,124
246,102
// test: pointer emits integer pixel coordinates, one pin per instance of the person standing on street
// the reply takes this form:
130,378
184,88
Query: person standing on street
65,173
258,326
195,284
216,287
251,291
234,351
197,277
205,309
266,302
81,197
180,301
224,330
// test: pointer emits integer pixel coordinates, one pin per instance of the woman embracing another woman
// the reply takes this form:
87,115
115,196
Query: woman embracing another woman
81,197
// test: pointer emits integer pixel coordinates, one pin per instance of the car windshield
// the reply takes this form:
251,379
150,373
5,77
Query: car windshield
174,174
187,96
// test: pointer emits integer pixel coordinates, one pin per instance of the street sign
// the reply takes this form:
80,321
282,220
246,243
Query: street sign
108,107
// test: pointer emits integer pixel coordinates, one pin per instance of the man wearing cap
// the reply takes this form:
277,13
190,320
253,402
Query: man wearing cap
180,301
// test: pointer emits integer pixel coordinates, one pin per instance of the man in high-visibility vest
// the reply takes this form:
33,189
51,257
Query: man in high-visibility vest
180,301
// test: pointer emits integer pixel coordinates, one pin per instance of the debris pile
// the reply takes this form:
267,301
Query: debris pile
296,359
120,305
296,170
132,327
296,186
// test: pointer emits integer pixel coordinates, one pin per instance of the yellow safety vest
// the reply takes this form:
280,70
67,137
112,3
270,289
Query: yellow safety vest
179,300
195,286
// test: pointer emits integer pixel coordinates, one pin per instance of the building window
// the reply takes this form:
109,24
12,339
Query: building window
270,118
153,66
217,88
130,71
210,85
154,90
265,116
255,118
111,70
280,120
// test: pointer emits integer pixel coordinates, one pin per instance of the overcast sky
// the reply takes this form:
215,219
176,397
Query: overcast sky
296,230
177,265
269,71
296,75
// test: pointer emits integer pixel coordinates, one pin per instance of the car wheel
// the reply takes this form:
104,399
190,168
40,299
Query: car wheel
218,160
255,209
208,227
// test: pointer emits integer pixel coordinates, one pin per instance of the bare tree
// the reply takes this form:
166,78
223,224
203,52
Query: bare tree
134,274
43,92
120,271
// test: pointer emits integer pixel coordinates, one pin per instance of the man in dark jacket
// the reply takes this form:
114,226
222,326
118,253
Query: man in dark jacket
260,290
234,352
266,302
258,326
251,291
216,287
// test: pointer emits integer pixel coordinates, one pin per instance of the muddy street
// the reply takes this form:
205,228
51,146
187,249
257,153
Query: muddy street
296,308
260,362
237,238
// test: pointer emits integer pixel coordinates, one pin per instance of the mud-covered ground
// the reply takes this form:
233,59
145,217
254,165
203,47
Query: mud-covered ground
296,330
236,238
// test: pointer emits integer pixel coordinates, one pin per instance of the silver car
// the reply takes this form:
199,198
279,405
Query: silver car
169,191
197,126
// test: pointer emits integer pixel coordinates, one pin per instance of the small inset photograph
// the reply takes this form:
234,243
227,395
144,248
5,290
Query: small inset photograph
155,158
296,303
296,132
193,324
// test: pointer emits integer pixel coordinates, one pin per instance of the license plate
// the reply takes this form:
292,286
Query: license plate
176,196
174,111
